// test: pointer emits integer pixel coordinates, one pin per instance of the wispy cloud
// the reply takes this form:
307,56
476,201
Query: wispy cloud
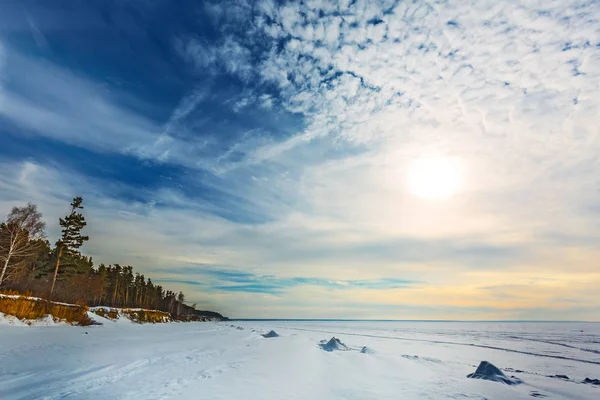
233,281
285,143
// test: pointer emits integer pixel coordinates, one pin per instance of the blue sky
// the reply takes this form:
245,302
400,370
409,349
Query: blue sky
261,155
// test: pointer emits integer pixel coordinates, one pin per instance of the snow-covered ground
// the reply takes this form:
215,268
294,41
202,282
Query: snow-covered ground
231,360
10,320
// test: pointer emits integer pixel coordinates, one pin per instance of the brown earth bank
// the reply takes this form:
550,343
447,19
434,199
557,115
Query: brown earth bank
32,308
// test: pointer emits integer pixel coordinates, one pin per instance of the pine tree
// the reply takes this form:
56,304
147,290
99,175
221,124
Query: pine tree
180,300
128,279
30,262
71,238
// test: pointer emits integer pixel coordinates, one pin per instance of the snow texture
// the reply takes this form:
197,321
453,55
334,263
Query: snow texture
212,360
10,320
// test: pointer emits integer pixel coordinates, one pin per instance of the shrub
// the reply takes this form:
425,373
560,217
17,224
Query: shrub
152,316
110,313
139,316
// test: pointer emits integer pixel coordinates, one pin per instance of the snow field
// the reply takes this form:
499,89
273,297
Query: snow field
408,360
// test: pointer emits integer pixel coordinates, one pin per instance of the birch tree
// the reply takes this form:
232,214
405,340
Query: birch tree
18,237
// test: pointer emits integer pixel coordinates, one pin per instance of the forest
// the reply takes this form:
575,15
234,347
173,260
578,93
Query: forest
30,265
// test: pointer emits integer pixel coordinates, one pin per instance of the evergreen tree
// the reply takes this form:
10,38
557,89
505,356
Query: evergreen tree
31,263
180,300
71,238
102,279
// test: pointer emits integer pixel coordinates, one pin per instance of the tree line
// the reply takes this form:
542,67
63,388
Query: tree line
29,264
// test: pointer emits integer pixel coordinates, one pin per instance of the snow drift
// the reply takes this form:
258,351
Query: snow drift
46,320
271,334
490,372
367,350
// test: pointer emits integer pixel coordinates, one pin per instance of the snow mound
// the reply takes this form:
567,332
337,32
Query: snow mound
592,381
490,372
96,319
367,350
271,334
44,321
10,320
333,344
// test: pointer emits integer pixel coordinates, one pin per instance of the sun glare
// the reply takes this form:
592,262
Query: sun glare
435,178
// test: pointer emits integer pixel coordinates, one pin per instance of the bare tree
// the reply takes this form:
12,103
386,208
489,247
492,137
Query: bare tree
18,236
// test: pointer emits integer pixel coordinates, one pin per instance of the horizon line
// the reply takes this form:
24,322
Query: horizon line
407,320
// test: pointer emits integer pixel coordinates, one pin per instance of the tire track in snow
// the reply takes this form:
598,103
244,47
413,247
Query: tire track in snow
483,346
555,343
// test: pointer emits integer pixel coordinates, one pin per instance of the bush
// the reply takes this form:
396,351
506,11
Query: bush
152,316
136,315
110,313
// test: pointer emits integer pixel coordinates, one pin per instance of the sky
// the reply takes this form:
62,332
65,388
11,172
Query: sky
318,159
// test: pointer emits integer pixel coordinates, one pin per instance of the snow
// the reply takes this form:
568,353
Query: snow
408,360
367,350
106,308
123,316
98,320
10,320
18,296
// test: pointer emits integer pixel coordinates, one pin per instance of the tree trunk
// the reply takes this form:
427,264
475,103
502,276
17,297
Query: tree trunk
115,293
4,268
60,251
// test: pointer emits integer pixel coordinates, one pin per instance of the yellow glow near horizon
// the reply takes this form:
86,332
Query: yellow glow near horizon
435,178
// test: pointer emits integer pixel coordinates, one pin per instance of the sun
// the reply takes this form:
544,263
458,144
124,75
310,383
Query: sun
434,177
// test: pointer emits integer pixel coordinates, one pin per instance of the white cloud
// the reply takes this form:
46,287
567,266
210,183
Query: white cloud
228,55
509,90
56,103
